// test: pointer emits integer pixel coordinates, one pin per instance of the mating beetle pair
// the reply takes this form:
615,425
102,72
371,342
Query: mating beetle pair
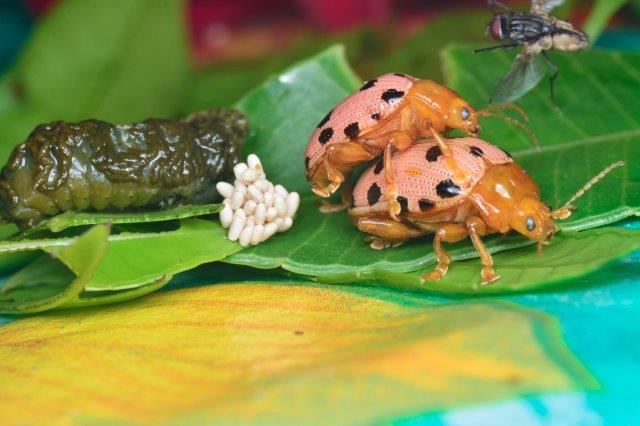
453,188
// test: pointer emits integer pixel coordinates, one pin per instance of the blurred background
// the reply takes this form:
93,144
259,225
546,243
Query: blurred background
126,60
228,32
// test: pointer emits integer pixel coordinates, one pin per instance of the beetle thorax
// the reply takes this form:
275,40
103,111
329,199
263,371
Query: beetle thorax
498,193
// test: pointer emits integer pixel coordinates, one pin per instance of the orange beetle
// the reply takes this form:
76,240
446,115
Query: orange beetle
498,196
388,112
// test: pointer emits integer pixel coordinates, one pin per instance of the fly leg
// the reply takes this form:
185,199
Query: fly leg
450,233
555,71
495,6
500,46
385,233
476,228
460,175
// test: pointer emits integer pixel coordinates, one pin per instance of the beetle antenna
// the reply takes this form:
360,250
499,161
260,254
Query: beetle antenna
493,107
513,121
566,210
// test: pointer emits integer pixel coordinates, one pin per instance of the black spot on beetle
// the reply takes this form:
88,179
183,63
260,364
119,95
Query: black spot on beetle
425,204
352,130
433,153
474,150
325,119
404,203
369,84
399,74
325,135
447,189
376,116
306,162
378,168
390,94
373,194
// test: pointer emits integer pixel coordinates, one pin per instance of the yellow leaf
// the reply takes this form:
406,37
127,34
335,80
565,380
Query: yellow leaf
276,353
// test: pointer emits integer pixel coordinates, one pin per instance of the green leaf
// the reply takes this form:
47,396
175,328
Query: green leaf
286,107
569,256
599,17
70,219
121,61
135,259
48,283
134,264
577,142
329,244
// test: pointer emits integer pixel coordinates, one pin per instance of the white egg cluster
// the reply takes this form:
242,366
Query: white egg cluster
255,209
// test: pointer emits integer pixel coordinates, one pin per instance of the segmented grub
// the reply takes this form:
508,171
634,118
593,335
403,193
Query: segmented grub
94,165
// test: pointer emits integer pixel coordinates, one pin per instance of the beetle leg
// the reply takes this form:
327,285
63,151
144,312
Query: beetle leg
392,188
476,228
450,233
345,197
460,175
386,232
338,158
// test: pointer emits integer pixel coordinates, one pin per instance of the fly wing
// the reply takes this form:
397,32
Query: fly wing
526,72
544,6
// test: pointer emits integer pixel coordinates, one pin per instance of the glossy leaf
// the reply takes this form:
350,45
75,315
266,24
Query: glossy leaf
200,355
286,107
71,219
568,256
330,246
120,60
135,263
49,281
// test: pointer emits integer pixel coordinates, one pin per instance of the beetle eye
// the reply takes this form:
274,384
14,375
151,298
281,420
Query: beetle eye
530,224
464,113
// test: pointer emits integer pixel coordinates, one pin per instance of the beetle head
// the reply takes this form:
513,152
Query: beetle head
532,218
463,116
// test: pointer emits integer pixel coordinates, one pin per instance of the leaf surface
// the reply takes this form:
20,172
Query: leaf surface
49,281
569,256
135,263
71,219
306,350
577,142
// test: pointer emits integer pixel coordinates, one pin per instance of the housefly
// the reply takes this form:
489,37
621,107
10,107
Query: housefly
536,31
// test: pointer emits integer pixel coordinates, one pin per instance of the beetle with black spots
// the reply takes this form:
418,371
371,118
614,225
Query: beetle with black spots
388,113
493,195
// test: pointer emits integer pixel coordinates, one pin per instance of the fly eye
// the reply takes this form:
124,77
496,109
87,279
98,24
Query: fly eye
530,224
495,28
464,113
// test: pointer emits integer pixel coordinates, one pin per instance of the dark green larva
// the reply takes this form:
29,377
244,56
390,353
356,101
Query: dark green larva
93,165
